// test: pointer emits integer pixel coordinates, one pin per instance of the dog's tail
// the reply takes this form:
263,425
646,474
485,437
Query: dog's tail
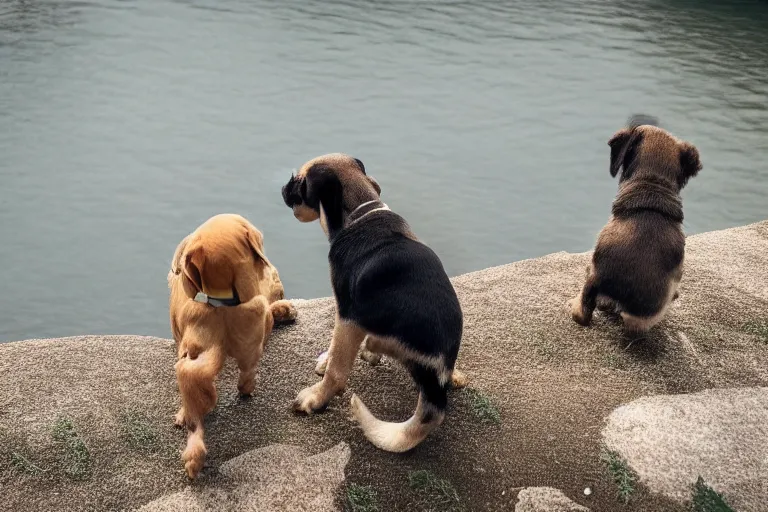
196,372
429,414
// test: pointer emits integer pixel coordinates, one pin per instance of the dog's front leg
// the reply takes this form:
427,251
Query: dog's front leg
346,341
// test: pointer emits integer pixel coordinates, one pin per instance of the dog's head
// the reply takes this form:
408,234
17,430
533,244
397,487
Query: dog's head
328,188
217,257
647,150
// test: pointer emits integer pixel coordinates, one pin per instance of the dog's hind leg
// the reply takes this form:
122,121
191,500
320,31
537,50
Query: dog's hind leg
369,356
584,304
458,379
366,354
196,373
429,414
251,341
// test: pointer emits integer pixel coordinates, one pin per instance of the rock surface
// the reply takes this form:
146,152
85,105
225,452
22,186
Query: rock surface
269,479
541,388
545,499
719,434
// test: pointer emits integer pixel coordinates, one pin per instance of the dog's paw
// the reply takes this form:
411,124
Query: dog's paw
459,379
194,458
372,358
283,311
311,399
193,466
574,306
605,304
322,364
246,388
180,419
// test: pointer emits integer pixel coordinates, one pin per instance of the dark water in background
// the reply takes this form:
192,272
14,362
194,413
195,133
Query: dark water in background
125,124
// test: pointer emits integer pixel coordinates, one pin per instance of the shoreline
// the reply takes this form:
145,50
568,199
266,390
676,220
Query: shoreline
548,403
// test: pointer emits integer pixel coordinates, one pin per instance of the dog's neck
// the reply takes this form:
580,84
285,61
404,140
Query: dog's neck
648,193
218,302
364,210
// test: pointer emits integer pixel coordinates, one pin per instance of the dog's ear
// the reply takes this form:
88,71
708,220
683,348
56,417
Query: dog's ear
375,184
193,266
371,179
618,143
690,165
176,261
294,191
323,189
256,242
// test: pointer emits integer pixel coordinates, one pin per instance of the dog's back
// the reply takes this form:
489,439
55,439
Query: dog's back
395,286
636,258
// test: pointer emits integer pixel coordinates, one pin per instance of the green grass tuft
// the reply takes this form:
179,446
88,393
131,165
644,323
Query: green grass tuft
361,498
24,465
77,458
139,433
435,494
757,328
482,407
706,499
613,361
621,475
545,347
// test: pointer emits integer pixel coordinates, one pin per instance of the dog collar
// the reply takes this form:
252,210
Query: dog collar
383,207
217,303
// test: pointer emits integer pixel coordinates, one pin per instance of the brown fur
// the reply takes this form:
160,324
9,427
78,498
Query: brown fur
222,257
637,264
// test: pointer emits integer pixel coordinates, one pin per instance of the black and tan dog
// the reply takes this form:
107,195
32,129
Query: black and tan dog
390,290
637,264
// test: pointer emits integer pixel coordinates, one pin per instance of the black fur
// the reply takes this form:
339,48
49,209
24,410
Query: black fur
395,286
392,285
292,192
383,279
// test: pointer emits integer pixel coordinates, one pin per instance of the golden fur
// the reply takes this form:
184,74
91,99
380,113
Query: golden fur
223,257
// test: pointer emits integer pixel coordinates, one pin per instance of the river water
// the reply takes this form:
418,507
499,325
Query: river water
125,124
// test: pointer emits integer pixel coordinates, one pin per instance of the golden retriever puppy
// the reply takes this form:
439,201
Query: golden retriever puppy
225,298
637,264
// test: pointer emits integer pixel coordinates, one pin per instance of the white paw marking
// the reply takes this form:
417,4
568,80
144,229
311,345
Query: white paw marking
322,364
309,399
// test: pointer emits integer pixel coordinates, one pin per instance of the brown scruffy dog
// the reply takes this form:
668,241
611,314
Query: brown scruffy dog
637,264
225,298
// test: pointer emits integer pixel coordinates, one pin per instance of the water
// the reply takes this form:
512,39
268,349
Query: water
125,124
